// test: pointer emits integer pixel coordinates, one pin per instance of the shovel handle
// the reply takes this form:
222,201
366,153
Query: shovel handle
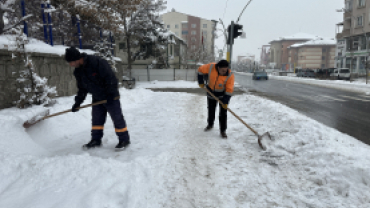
70,110
241,120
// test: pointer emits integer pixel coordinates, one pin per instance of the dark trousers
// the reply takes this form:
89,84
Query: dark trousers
99,116
212,104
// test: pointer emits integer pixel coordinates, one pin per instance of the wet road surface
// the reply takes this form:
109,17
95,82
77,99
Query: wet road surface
348,112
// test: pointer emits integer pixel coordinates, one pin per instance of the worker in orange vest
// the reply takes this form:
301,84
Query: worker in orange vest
221,84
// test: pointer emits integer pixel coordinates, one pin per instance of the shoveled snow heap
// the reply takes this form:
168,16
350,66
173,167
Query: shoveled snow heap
172,162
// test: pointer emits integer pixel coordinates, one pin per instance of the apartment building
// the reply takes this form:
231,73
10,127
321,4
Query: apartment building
313,54
197,32
279,55
354,35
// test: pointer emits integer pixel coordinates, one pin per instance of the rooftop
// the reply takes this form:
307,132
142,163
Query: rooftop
317,41
297,36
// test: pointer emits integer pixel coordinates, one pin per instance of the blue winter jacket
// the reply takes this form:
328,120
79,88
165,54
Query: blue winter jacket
95,77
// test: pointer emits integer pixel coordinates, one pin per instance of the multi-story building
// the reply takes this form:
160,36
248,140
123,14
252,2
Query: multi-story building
279,56
198,33
265,55
355,34
313,54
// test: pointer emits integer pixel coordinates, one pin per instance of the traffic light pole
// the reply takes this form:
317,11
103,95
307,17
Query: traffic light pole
230,46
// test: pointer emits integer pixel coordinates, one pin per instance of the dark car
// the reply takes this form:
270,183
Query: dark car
260,75
305,73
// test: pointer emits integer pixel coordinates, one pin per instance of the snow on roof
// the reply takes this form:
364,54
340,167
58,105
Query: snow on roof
317,41
298,36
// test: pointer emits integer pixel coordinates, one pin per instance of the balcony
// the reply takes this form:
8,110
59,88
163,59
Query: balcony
339,36
345,33
347,15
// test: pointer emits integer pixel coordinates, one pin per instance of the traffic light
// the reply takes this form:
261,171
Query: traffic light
236,33
236,30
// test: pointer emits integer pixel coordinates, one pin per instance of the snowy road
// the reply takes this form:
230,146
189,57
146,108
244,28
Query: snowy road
172,162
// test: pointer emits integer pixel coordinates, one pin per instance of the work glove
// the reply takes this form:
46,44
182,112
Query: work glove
224,106
75,106
201,85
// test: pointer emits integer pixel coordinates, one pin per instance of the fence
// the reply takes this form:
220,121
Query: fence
165,74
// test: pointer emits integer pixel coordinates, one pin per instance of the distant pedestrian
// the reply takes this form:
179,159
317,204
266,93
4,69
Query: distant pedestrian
94,75
221,84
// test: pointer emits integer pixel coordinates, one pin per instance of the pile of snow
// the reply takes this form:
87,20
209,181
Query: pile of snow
172,162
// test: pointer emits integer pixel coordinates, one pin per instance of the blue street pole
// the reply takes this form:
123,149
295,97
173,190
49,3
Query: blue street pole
111,42
25,28
44,20
50,27
79,32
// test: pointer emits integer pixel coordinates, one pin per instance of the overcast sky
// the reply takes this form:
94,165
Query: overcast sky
265,20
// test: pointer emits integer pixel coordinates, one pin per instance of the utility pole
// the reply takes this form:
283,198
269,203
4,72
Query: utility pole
230,41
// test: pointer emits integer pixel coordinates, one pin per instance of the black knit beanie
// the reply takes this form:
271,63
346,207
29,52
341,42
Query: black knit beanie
72,54
223,64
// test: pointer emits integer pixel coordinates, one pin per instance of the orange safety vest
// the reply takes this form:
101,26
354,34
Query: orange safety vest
216,82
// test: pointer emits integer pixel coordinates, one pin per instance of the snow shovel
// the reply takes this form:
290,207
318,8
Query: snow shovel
44,115
260,137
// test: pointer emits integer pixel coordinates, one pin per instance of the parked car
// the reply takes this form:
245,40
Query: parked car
260,75
342,73
305,73
128,82
324,73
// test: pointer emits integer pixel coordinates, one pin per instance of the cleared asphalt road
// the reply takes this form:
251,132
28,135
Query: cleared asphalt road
348,112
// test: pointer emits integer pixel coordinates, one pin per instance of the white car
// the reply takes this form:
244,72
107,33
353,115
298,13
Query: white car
343,73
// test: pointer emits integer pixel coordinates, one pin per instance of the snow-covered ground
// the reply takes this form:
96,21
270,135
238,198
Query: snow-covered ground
172,162
358,85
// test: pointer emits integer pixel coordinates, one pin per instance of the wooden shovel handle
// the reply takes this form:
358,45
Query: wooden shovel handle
84,106
232,112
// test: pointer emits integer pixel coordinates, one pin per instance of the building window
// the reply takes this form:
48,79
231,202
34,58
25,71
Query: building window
176,26
359,21
323,58
185,32
168,26
204,32
322,65
193,25
184,25
193,47
193,32
324,50
122,46
361,3
349,6
193,39
204,25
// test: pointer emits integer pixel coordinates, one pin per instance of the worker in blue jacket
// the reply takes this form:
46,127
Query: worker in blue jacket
94,75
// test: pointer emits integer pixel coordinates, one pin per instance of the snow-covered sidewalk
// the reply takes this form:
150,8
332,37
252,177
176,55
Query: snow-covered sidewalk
172,162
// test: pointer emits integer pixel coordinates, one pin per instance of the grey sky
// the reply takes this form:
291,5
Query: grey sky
265,20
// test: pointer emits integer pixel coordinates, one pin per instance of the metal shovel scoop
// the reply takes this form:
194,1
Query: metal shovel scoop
260,137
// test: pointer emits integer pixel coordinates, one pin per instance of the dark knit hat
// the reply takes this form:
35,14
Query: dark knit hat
72,54
223,64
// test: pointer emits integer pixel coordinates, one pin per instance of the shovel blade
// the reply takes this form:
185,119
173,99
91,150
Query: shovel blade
35,119
265,136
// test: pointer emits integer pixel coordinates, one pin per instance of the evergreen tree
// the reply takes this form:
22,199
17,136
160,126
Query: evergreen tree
32,88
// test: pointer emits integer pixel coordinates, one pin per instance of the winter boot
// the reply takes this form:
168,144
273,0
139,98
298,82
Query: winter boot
224,135
208,128
122,145
92,144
